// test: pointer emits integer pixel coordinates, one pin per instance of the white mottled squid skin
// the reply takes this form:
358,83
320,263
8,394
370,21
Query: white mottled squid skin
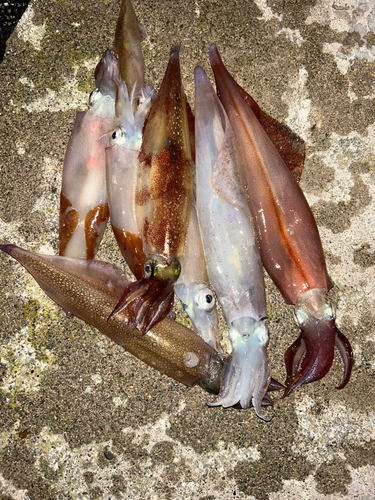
83,203
233,261
192,286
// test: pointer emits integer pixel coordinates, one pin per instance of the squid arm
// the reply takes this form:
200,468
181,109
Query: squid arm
288,239
83,200
162,201
233,261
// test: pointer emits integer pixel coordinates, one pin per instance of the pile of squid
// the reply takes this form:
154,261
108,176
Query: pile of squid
198,204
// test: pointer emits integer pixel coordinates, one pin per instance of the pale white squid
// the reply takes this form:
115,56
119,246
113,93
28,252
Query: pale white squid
83,200
233,261
192,287
121,169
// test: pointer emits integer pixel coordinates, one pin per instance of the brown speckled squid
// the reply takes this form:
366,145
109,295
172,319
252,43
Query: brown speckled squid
91,289
289,241
162,201
83,200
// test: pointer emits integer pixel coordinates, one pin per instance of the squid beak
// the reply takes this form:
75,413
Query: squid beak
310,357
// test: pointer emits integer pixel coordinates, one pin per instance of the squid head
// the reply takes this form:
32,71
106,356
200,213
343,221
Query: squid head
310,357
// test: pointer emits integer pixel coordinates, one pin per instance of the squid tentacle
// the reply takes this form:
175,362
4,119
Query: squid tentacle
345,354
310,357
147,301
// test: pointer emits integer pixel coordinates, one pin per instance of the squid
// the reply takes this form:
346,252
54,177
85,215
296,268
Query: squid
122,160
162,202
233,261
83,200
121,174
289,242
90,289
133,103
192,287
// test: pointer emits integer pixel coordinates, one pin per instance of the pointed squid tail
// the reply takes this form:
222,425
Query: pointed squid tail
147,302
310,357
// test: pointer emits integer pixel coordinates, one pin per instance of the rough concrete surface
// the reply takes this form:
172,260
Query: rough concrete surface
80,418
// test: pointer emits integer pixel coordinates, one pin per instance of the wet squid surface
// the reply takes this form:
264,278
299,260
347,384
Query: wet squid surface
104,414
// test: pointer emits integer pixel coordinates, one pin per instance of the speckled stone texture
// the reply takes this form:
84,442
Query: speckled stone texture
80,418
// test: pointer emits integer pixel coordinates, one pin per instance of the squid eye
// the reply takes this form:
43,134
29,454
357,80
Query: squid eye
148,270
300,316
95,94
118,135
206,300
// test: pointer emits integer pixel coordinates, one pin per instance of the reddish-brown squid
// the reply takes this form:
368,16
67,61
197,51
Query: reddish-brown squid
162,201
288,239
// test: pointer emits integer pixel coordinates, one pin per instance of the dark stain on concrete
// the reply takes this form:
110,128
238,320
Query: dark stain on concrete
362,167
295,14
364,256
357,456
333,477
332,259
337,216
96,493
352,40
316,176
119,485
277,463
17,464
362,76
89,477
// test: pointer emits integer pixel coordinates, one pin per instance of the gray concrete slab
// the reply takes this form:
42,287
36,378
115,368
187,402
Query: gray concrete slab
80,418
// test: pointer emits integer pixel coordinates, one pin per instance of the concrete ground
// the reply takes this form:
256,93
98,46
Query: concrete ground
80,418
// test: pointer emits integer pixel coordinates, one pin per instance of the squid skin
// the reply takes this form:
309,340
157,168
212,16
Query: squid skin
290,147
127,45
90,290
233,261
162,201
121,171
288,239
192,287
83,200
